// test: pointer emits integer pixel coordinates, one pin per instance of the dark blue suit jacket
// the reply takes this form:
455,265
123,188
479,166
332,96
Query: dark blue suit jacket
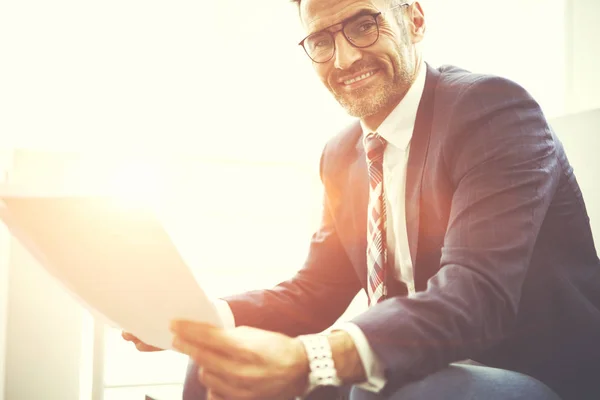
504,262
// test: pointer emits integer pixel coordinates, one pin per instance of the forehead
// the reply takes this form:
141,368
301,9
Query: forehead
319,14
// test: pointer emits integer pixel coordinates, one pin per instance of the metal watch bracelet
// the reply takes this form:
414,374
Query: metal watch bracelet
320,359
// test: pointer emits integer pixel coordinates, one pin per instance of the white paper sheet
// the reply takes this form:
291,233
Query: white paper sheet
118,262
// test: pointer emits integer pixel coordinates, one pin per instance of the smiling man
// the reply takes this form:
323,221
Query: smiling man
452,204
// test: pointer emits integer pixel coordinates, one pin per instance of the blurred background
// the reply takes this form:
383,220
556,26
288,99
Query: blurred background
212,108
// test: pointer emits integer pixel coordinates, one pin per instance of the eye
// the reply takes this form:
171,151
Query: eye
320,41
366,27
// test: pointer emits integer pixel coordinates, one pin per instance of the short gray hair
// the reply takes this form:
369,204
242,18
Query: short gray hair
297,2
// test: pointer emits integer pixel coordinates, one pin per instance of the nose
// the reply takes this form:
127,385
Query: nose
345,54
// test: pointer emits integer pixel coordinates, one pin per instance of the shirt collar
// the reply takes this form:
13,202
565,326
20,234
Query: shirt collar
398,126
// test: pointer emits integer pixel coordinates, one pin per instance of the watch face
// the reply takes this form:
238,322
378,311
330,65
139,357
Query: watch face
329,393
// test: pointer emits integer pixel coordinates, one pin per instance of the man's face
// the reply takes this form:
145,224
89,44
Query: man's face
363,80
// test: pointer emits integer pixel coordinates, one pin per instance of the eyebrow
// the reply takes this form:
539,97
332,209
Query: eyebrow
359,13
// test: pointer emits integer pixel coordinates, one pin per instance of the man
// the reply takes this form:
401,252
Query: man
452,203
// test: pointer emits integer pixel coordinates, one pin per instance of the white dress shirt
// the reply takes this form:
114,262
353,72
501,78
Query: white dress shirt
397,130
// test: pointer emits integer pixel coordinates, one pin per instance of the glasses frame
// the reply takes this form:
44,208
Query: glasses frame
375,16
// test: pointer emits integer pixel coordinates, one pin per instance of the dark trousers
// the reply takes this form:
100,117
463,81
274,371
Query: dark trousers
456,382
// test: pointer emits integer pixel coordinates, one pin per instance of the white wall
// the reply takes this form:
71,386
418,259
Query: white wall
583,72
523,41
579,135
43,338
4,262
5,240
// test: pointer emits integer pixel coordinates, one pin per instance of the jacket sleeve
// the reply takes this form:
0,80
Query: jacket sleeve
315,297
501,156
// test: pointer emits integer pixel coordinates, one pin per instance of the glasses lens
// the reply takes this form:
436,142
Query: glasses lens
319,46
363,31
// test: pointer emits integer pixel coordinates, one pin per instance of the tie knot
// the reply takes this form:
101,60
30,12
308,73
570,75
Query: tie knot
374,146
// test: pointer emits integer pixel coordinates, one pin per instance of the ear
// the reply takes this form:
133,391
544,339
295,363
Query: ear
416,22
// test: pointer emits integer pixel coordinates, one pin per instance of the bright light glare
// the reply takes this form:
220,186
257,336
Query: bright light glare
138,185
135,183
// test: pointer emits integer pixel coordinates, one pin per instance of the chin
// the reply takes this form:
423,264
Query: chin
367,103
361,109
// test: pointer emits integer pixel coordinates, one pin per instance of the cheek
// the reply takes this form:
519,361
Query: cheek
387,53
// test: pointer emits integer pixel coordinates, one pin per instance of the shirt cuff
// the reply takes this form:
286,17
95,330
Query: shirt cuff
225,313
372,365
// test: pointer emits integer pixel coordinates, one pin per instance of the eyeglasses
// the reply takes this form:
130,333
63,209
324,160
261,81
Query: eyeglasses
360,31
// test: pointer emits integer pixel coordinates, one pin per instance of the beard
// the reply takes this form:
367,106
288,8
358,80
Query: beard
371,99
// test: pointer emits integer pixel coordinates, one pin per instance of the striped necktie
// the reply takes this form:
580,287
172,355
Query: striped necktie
376,220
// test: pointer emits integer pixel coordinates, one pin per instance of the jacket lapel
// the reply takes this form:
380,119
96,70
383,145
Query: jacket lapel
414,171
358,181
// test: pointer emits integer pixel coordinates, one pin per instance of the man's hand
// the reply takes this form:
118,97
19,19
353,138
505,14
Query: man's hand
244,363
141,346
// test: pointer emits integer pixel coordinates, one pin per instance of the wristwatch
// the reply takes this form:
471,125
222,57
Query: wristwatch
320,359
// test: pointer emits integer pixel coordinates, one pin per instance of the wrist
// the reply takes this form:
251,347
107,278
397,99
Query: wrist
346,358
322,371
301,368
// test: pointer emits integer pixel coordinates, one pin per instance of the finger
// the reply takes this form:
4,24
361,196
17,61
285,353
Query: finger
141,346
221,387
204,335
214,396
219,362
128,336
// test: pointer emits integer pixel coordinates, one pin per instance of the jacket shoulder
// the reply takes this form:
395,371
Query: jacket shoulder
458,83
345,140
341,148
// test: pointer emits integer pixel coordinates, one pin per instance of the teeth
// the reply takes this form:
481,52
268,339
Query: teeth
358,78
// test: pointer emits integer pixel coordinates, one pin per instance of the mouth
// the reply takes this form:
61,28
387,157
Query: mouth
358,80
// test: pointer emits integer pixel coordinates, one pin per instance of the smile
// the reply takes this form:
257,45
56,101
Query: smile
359,78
